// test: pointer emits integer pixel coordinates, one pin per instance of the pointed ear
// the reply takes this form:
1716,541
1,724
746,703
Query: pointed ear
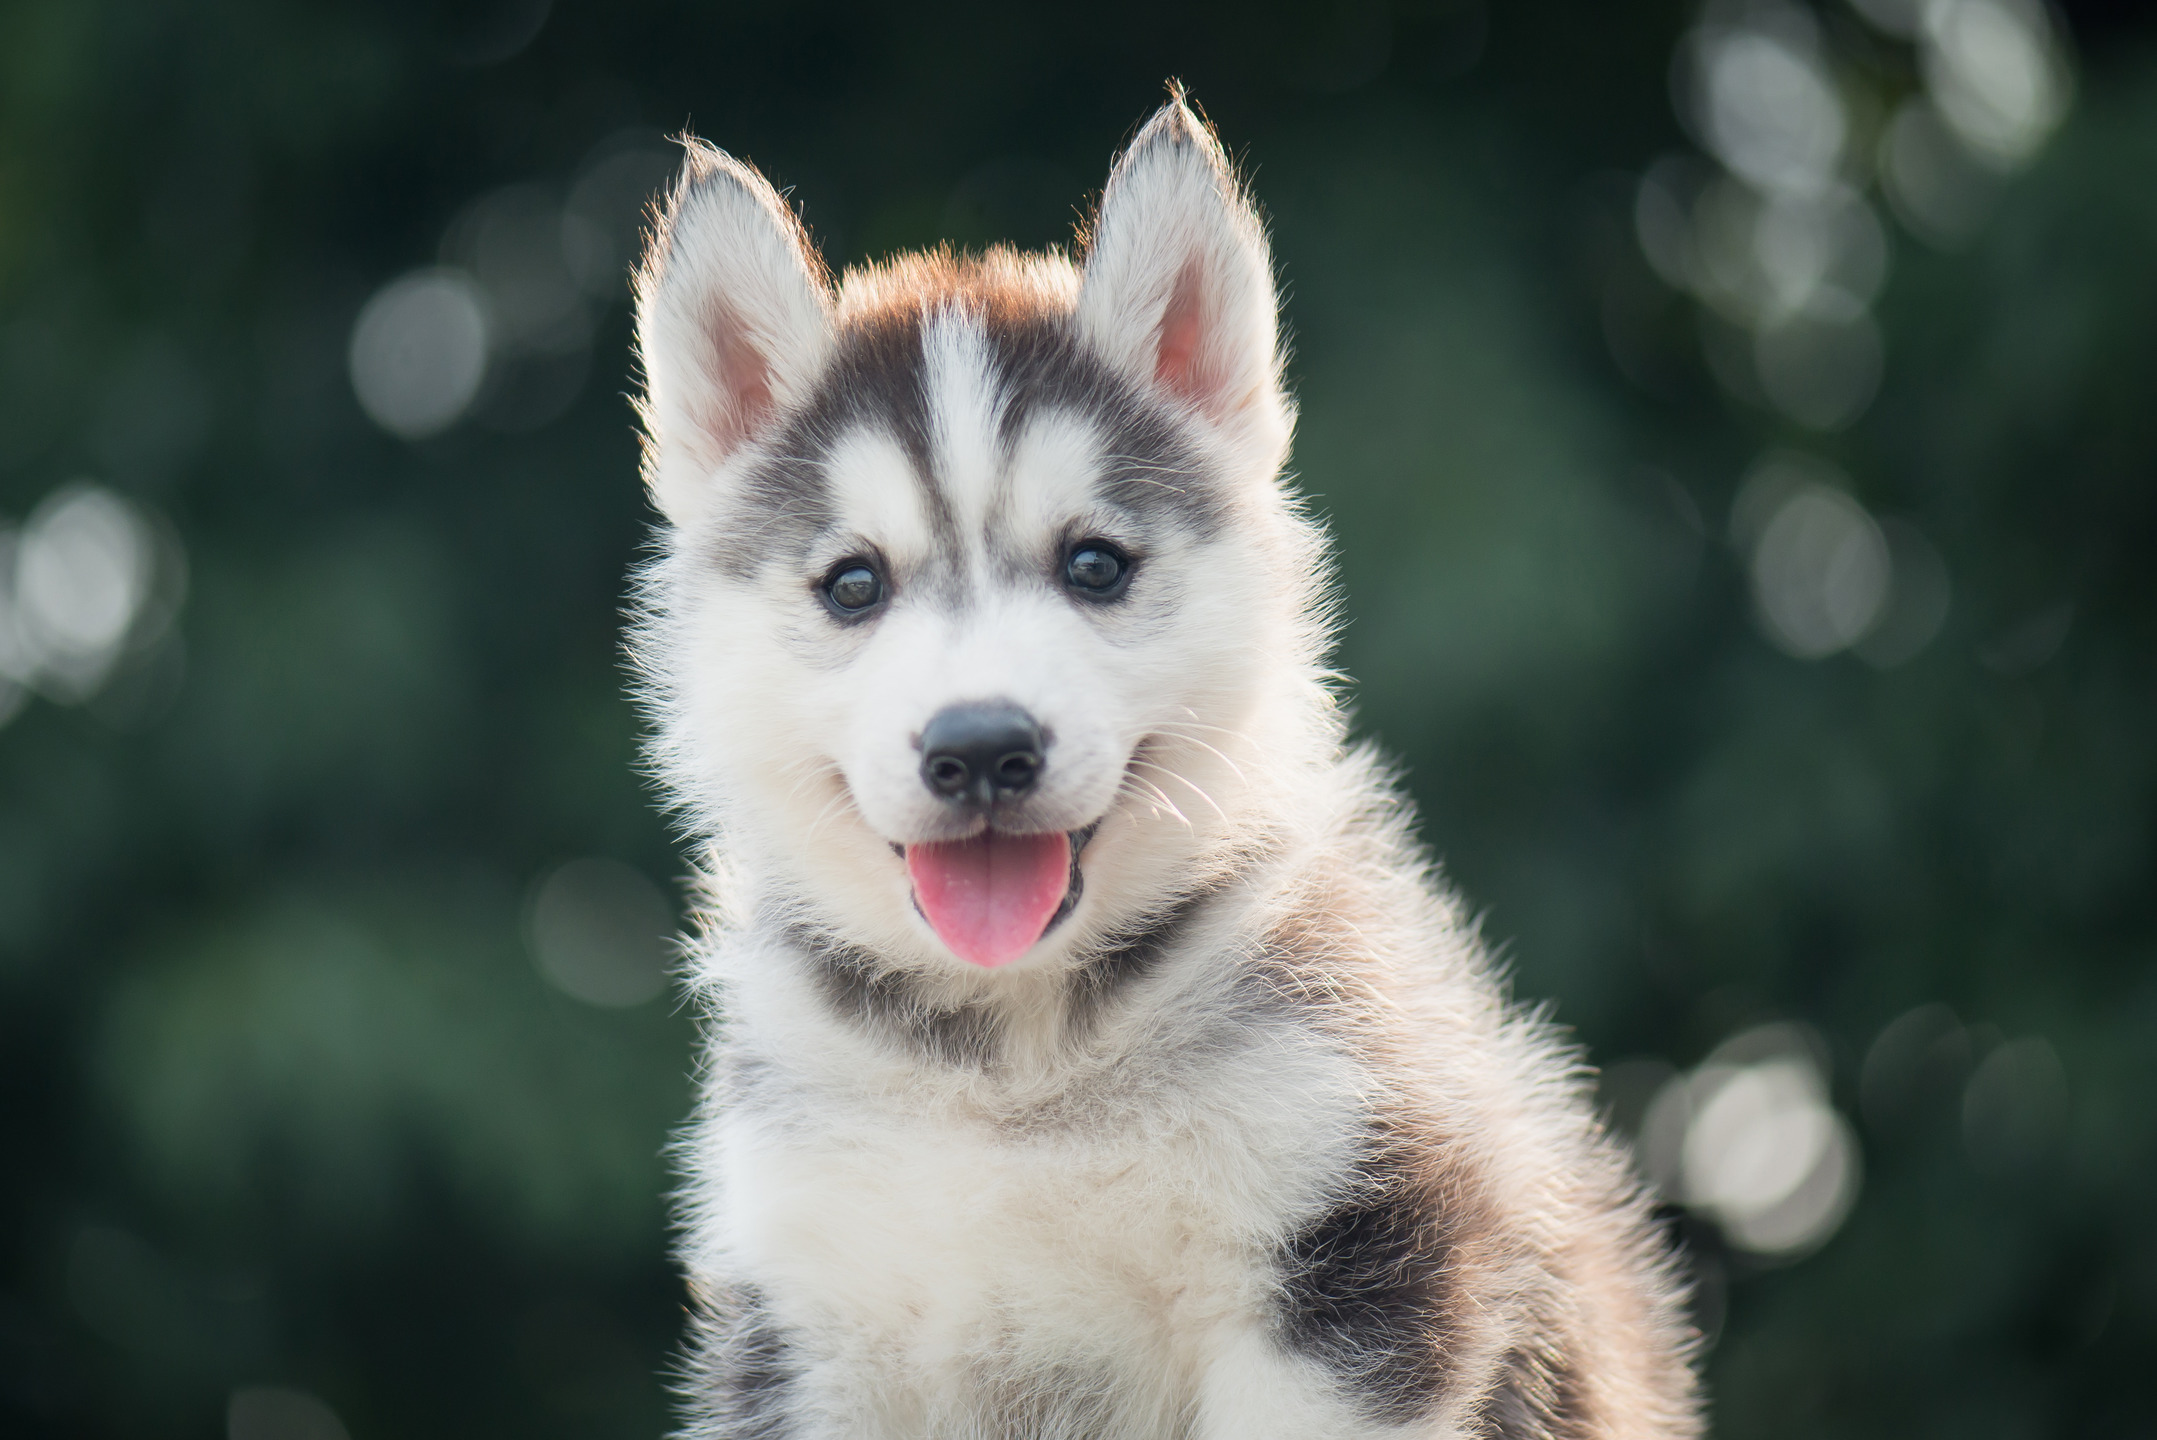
733,323
1178,289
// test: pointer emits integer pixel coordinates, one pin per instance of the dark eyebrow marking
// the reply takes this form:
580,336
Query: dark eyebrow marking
1151,470
875,381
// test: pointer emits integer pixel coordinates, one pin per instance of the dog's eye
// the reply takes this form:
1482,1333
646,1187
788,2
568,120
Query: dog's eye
853,589
1096,569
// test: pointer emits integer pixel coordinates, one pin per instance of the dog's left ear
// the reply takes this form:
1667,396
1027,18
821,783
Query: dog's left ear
733,324
1178,289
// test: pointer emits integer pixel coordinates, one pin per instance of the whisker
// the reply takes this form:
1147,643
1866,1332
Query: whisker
1143,462
1172,728
1187,783
1129,787
1144,480
1138,470
1205,724
1163,796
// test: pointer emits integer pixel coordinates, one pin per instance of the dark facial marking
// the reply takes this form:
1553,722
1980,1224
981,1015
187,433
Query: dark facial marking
891,1006
879,379
875,379
784,505
1125,960
1151,471
1365,1289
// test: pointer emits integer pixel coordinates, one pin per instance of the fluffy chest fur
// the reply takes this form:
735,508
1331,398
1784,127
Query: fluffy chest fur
940,1234
1080,1230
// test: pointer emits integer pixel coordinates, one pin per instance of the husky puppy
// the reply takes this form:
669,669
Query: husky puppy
1093,1052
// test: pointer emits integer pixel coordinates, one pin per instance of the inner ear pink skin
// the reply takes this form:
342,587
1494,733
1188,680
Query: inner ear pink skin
741,393
991,897
1179,359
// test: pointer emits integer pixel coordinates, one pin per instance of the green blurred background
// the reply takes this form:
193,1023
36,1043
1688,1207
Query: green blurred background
1740,428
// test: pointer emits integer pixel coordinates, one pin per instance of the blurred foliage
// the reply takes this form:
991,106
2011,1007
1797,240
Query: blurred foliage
283,1099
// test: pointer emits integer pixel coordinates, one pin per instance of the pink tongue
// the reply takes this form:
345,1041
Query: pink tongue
990,897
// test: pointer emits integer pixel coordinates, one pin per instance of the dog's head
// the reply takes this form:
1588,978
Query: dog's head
984,620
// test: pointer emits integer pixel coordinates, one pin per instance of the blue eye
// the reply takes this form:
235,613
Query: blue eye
1097,570
853,588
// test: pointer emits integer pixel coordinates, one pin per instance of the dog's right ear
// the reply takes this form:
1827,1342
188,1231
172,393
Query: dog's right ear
733,324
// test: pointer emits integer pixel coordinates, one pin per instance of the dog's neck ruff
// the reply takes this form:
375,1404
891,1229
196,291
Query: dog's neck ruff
940,1014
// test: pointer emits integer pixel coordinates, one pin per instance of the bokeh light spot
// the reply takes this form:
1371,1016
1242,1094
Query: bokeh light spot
83,571
1751,1140
1769,110
419,352
1994,71
1821,568
601,932
87,576
511,241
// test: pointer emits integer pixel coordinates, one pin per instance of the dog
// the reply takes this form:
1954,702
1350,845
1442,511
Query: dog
1092,1051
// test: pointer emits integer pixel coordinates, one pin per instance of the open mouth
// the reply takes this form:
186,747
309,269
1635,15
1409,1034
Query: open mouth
992,896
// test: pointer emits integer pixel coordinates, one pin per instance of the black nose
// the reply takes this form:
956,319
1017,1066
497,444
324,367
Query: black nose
979,754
